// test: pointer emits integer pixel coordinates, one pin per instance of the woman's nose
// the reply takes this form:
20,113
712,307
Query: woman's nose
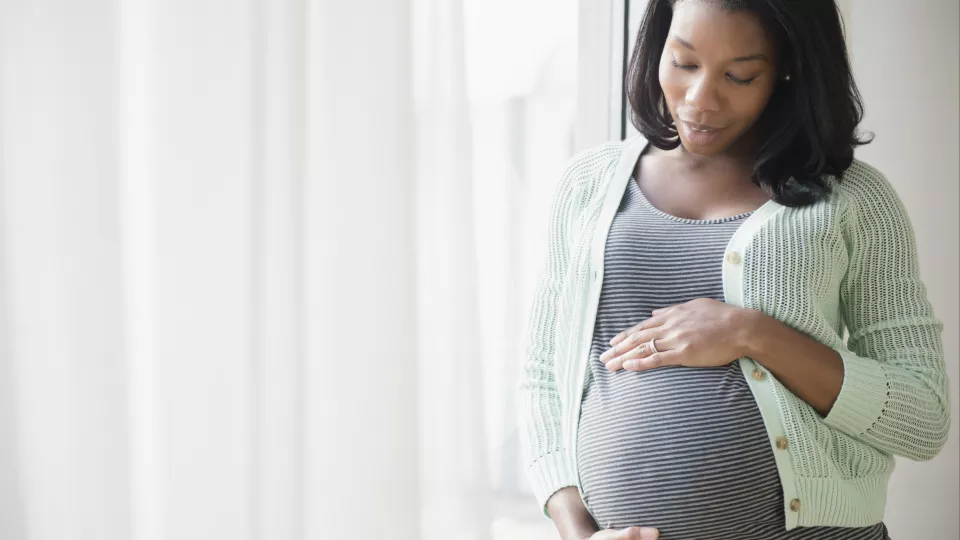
702,95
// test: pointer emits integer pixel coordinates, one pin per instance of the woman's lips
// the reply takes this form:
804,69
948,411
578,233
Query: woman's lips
700,134
702,127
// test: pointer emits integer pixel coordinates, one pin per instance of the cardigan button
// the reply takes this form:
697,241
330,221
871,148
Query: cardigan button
733,257
782,444
758,374
795,505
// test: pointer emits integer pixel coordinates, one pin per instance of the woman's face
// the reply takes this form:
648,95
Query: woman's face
717,72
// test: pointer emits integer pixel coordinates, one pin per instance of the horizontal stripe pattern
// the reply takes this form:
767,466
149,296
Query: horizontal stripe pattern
681,449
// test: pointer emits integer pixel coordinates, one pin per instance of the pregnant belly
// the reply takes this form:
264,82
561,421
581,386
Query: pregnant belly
681,449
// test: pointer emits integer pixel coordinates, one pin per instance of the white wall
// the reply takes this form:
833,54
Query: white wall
905,58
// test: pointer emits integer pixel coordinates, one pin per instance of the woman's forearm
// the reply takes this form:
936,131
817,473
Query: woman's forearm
811,370
570,515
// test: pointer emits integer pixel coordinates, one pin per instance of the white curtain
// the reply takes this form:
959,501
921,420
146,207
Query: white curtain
456,491
238,273
63,397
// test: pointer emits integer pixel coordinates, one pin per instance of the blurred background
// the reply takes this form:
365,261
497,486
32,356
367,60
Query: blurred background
265,265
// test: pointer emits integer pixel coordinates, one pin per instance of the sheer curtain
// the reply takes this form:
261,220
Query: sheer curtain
263,266
456,495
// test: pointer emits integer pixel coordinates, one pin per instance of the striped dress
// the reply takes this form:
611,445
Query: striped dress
681,449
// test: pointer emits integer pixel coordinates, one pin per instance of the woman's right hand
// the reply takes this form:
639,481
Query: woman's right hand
572,519
630,533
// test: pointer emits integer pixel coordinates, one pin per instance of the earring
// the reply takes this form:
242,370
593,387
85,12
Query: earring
786,77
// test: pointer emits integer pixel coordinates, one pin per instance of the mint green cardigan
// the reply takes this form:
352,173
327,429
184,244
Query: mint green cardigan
848,262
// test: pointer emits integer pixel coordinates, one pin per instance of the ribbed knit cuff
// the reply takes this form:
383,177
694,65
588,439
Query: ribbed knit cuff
841,502
548,475
863,396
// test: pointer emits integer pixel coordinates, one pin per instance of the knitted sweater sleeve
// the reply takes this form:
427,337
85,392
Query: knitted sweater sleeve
547,461
894,394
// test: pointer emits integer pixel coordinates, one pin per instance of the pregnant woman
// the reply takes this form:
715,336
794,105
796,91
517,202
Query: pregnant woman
687,374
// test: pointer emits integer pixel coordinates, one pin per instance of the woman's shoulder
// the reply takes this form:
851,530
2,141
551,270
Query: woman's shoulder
587,170
589,163
863,183
866,194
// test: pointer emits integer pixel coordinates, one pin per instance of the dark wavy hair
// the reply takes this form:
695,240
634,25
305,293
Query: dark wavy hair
809,126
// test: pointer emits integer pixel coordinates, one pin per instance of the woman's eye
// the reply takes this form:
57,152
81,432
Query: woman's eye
742,82
731,78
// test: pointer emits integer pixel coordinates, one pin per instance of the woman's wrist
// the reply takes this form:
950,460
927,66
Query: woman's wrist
570,515
750,325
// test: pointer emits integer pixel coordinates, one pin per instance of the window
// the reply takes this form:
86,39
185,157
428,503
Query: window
525,91
522,90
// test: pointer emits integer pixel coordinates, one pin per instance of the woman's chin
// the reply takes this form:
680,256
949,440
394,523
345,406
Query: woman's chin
701,150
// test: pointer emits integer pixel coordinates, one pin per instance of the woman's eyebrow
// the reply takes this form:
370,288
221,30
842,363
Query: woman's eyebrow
748,58
751,57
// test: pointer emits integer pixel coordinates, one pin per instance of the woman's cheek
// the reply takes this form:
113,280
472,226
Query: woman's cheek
670,86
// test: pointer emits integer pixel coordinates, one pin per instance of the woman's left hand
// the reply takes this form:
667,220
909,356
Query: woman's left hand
699,333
